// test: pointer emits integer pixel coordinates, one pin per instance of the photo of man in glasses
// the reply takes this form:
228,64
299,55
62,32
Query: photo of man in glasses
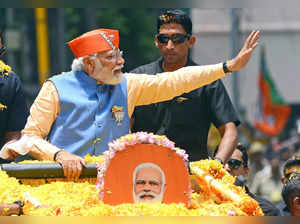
237,166
186,119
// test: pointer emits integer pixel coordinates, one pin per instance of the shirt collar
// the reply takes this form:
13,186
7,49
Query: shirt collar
86,78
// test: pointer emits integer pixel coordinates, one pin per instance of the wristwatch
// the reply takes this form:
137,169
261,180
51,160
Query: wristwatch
220,160
225,69
55,154
21,205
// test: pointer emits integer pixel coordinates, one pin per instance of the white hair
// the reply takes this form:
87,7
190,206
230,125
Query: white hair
163,180
78,65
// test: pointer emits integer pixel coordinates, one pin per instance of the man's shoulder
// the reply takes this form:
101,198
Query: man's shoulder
284,211
267,207
11,79
60,75
216,87
150,68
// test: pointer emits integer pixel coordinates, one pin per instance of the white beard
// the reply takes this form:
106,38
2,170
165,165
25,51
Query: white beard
116,78
156,197
112,77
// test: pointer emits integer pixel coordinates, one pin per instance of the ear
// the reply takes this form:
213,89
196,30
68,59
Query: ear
156,41
191,41
247,171
87,61
296,202
283,180
89,65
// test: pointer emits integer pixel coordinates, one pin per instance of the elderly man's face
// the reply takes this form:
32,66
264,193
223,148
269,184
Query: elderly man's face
107,67
148,185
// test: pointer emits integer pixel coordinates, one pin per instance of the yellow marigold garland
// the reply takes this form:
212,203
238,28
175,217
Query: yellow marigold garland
218,185
81,199
4,69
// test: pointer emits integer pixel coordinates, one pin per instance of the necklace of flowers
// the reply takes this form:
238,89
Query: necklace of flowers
128,140
4,69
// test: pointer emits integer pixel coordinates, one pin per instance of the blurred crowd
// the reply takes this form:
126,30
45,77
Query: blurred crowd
266,163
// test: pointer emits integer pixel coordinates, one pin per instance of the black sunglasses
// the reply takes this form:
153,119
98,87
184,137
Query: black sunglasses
176,38
234,163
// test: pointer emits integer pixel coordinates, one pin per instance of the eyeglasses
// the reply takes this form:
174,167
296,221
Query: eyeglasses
176,38
115,55
234,163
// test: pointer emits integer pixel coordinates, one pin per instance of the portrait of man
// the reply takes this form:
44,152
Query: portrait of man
149,183
150,173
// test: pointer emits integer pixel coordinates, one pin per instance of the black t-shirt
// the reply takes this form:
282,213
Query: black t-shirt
268,208
14,116
186,119
284,211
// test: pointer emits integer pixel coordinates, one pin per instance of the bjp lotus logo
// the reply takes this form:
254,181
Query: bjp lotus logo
181,99
117,114
2,107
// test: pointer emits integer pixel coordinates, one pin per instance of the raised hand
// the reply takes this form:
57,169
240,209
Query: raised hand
243,57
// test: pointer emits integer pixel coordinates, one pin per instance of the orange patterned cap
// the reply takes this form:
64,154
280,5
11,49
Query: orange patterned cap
94,41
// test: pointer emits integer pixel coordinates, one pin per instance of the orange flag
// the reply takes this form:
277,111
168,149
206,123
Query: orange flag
272,113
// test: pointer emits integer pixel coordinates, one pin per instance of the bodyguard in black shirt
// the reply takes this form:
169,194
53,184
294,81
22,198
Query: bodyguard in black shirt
13,108
187,118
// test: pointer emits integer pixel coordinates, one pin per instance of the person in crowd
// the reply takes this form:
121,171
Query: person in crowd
81,111
149,183
13,107
187,118
238,167
290,168
267,182
257,160
291,195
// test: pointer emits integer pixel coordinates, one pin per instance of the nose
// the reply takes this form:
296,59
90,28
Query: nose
120,60
170,45
147,187
147,190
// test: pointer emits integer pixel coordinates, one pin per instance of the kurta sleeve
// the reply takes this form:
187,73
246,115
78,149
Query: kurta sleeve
43,113
147,89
